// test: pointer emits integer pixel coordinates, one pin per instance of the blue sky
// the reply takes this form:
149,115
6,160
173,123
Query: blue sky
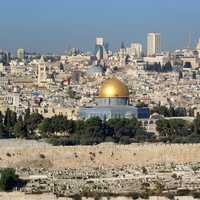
53,25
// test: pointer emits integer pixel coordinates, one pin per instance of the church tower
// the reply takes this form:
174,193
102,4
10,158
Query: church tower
42,72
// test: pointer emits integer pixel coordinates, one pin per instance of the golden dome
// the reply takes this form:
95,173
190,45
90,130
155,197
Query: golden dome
113,88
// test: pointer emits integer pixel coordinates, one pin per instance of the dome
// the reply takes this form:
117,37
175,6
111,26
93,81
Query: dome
114,88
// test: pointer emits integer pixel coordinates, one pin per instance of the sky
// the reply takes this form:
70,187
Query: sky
52,26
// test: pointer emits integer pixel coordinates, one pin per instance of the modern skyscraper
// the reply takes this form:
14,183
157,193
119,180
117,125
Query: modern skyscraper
136,50
99,41
20,54
4,57
153,44
100,51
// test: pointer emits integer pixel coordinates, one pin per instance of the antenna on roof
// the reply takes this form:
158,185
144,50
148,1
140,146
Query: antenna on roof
162,44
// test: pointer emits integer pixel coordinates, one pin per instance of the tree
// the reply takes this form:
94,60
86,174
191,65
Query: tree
8,179
196,125
93,131
180,112
173,129
163,127
92,135
142,136
141,104
124,140
27,114
93,121
167,112
57,123
7,118
32,121
45,126
122,127
1,117
20,129
70,126
79,127
10,120
13,118
3,131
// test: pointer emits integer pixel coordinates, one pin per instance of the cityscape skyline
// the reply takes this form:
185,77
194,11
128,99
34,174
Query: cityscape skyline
49,26
99,99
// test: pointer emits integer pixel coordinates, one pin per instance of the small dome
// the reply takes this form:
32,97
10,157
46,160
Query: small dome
114,88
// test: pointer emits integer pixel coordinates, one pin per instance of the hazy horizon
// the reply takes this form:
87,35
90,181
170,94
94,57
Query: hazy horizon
53,26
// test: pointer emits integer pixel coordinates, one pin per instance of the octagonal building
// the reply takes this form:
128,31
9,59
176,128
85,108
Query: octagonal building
113,102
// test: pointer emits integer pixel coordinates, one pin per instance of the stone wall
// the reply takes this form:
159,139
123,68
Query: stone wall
22,196
103,155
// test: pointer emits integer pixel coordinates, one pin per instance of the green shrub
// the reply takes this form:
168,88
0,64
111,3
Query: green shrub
124,140
135,196
196,195
183,192
109,139
8,179
63,141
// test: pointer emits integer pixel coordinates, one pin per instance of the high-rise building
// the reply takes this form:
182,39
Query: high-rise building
20,54
100,50
99,41
136,50
153,44
4,57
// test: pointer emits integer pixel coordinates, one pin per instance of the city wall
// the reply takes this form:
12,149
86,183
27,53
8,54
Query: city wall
103,155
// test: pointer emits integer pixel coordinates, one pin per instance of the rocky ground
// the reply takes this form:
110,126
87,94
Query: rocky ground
127,180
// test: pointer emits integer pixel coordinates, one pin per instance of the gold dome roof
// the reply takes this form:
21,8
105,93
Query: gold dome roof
114,88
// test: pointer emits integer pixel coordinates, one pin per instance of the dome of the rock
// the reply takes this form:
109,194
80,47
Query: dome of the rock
113,88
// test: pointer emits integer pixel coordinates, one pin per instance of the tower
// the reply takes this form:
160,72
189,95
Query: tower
42,72
99,41
20,54
136,50
153,44
198,47
100,50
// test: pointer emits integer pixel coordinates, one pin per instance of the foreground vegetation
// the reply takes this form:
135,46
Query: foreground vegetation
179,130
9,180
58,130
